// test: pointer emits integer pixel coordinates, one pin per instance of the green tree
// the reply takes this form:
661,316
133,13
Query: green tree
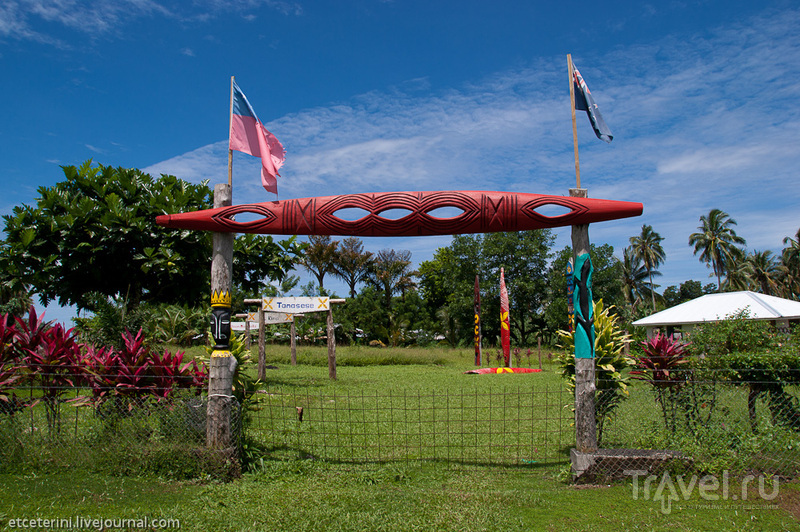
258,259
524,255
790,267
717,243
391,273
95,233
351,263
319,256
635,286
764,272
647,247
605,283
448,283
688,290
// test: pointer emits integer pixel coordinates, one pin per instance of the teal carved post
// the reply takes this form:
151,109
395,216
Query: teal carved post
582,303
585,420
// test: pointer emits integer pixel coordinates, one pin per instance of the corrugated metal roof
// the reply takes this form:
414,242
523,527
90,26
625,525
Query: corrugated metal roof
714,307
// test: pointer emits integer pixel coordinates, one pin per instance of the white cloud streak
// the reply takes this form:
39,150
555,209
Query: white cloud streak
22,19
698,125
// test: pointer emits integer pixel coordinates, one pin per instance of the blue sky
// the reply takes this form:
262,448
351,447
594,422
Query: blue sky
368,95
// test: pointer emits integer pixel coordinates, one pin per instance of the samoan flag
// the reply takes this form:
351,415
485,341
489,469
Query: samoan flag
249,135
585,102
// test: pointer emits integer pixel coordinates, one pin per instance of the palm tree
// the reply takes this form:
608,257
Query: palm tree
790,267
740,273
647,247
352,263
391,272
764,271
319,255
635,286
717,242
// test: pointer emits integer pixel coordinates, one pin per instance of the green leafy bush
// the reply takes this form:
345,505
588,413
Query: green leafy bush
611,364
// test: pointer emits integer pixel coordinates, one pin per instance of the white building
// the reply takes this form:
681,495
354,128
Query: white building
714,307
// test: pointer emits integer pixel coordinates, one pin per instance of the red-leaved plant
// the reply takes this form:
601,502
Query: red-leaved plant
662,366
135,371
8,373
50,355
170,374
661,362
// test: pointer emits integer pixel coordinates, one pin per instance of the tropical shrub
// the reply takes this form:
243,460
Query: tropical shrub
135,371
736,333
678,381
611,364
53,365
754,354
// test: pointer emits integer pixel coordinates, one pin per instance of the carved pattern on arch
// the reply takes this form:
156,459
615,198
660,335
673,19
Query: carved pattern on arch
478,212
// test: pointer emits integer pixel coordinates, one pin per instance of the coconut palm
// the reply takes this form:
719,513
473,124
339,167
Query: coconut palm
764,272
740,273
352,263
634,279
647,247
717,242
790,267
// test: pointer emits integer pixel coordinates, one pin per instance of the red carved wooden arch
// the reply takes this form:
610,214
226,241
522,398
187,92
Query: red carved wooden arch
477,212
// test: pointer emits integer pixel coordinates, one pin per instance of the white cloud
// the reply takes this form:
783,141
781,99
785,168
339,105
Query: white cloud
21,19
698,125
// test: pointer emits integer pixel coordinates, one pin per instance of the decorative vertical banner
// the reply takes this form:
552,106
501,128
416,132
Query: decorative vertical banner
505,323
221,323
584,313
477,307
570,292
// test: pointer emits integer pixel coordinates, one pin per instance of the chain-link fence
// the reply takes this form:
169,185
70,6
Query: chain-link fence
703,425
116,433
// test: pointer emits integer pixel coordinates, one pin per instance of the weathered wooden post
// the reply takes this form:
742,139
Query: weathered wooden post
585,421
539,350
223,364
262,347
331,345
293,340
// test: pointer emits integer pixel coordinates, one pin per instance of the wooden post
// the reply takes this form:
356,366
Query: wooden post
331,345
293,341
539,349
247,339
262,340
222,365
574,124
585,421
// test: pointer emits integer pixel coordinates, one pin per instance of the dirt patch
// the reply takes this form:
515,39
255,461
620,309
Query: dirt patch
789,499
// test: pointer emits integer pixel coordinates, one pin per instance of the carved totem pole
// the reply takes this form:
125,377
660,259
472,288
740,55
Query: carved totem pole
585,421
223,364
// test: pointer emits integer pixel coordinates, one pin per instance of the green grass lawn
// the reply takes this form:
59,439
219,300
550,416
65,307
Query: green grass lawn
287,496
288,490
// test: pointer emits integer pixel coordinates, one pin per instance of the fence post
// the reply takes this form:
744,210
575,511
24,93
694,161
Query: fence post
293,340
223,364
331,345
262,347
585,421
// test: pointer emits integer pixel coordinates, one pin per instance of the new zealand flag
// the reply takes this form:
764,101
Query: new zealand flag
585,102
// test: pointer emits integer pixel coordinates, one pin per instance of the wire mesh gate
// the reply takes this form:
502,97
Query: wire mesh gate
529,427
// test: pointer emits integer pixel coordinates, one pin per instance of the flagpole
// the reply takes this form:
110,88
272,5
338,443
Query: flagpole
230,151
570,70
